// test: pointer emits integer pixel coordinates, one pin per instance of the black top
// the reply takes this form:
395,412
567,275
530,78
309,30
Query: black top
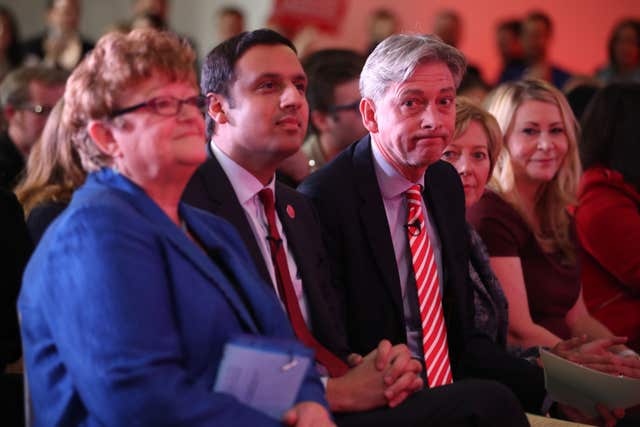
41,216
11,162
15,250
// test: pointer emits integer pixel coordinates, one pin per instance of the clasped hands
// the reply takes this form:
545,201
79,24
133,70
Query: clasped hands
384,377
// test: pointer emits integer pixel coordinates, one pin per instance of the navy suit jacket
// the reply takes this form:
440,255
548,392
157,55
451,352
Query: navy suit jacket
124,318
347,198
211,190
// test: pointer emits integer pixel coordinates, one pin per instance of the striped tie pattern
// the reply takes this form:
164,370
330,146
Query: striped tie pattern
434,331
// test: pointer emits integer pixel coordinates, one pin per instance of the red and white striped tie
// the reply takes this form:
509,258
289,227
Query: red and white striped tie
434,330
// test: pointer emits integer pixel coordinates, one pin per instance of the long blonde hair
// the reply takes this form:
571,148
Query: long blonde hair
53,170
553,226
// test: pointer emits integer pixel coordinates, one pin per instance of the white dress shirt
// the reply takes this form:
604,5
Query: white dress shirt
246,186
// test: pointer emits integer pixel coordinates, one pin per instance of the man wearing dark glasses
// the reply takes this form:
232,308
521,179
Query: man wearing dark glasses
334,117
334,102
27,95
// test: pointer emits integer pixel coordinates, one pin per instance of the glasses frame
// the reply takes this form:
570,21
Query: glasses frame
198,101
38,109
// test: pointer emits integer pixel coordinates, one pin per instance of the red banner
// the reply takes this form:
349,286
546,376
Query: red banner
326,15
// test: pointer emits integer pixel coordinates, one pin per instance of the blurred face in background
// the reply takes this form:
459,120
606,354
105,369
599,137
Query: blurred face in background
535,39
6,37
27,121
230,24
64,16
343,125
625,49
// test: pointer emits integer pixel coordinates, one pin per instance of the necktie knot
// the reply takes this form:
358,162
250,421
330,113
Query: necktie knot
266,197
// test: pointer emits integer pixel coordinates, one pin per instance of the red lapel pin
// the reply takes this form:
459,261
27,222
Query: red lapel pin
291,212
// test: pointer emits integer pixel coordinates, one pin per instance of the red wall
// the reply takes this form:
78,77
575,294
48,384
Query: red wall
582,27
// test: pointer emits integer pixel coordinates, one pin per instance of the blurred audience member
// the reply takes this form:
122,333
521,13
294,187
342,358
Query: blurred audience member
524,221
537,32
447,25
53,173
474,87
579,91
156,8
10,49
61,45
148,21
333,95
229,22
607,218
27,95
381,24
624,54
509,42
95,349
15,249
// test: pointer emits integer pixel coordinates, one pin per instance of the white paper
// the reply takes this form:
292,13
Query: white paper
582,387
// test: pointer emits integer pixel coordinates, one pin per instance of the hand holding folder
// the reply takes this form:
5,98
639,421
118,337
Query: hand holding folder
264,373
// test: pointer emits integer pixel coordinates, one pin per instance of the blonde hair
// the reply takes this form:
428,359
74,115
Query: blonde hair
117,62
53,170
468,111
550,220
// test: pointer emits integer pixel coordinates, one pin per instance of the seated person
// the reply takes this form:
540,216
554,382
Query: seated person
524,220
607,220
53,173
128,301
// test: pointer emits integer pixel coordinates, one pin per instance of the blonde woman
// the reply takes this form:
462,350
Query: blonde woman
53,172
524,220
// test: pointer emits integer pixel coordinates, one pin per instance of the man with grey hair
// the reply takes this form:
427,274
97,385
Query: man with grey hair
27,95
394,223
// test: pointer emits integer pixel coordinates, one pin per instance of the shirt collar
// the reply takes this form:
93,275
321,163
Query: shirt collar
392,184
244,184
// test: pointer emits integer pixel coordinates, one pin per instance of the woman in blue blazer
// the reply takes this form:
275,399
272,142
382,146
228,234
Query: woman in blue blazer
131,296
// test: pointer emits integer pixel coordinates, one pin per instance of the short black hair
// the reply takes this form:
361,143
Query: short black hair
218,68
514,26
610,132
327,69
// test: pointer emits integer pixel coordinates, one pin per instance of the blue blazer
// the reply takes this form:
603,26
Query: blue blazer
124,318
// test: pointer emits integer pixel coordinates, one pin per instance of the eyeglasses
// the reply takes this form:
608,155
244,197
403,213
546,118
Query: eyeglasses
165,105
37,108
354,106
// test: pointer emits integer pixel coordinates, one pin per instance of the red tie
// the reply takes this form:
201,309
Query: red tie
434,331
334,365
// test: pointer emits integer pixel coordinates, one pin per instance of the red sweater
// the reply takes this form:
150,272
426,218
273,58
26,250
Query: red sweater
608,227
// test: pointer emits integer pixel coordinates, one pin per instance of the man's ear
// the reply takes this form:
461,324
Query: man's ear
216,109
102,135
368,113
320,120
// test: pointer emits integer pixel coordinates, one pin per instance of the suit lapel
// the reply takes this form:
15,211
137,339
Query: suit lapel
374,219
225,204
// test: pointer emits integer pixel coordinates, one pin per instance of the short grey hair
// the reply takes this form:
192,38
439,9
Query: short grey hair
396,57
